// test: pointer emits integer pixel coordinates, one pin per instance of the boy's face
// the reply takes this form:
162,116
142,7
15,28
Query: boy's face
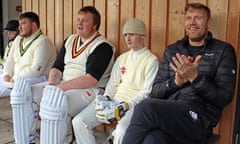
134,41
85,25
11,34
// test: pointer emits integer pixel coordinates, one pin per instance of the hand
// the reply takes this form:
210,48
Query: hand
106,113
185,69
101,102
7,78
55,77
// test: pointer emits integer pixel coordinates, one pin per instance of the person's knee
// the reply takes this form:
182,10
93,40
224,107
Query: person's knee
54,104
119,131
76,122
79,122
143,108
118,134
157,137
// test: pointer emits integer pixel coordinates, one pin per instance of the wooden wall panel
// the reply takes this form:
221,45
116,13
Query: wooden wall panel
59,23
28,5
50,19
88,2
233,23
143,12
101,6
175,20
165,24
24,5
69,23
77,4
200,1
126,12
157,30
112,23
42,15
35,6
219,18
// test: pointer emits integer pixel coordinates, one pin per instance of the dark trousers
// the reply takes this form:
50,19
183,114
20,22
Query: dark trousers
164,122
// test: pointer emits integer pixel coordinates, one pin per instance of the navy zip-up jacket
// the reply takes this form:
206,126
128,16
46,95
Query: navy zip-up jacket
214,87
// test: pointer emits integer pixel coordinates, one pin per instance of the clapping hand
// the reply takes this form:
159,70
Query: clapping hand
186,69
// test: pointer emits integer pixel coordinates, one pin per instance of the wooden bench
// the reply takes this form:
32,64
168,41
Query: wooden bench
106,127
213,139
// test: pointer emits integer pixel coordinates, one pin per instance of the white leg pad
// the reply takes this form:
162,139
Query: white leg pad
22,111
53,112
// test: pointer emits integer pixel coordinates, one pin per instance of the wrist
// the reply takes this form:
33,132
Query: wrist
193,78
178,83
171,84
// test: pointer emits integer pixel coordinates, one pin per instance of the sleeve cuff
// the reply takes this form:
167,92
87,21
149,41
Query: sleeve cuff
171,84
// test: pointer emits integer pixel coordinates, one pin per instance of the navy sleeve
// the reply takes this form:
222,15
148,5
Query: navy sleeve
98,60
59,62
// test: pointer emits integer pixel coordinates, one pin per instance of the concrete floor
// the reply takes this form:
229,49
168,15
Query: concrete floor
6,125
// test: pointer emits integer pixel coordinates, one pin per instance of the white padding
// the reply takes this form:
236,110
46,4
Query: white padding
53,112
23,114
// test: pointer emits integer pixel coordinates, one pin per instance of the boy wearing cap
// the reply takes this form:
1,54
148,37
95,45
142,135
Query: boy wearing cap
130,82
12,31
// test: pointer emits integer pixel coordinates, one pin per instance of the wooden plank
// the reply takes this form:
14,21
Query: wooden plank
219,10
43,15
88,2
24,5
50,19
68,18
112,24
35,6
158,27
28,5
219,29
59,20
233,23
175,21
126,12
101,7
228,117
77,5
143,12
197,1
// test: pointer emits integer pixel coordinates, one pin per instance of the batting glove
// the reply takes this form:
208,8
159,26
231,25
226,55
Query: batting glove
107,115
120,110
101,102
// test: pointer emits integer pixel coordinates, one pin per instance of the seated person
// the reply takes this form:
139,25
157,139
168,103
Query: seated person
81,70
31,56
131,79
195,81
12,32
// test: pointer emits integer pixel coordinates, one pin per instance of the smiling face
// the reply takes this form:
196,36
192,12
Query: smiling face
196,25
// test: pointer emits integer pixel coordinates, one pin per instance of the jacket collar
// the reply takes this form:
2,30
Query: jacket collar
184,41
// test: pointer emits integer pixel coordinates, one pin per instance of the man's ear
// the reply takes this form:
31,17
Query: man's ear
209,22
95,27
34,25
